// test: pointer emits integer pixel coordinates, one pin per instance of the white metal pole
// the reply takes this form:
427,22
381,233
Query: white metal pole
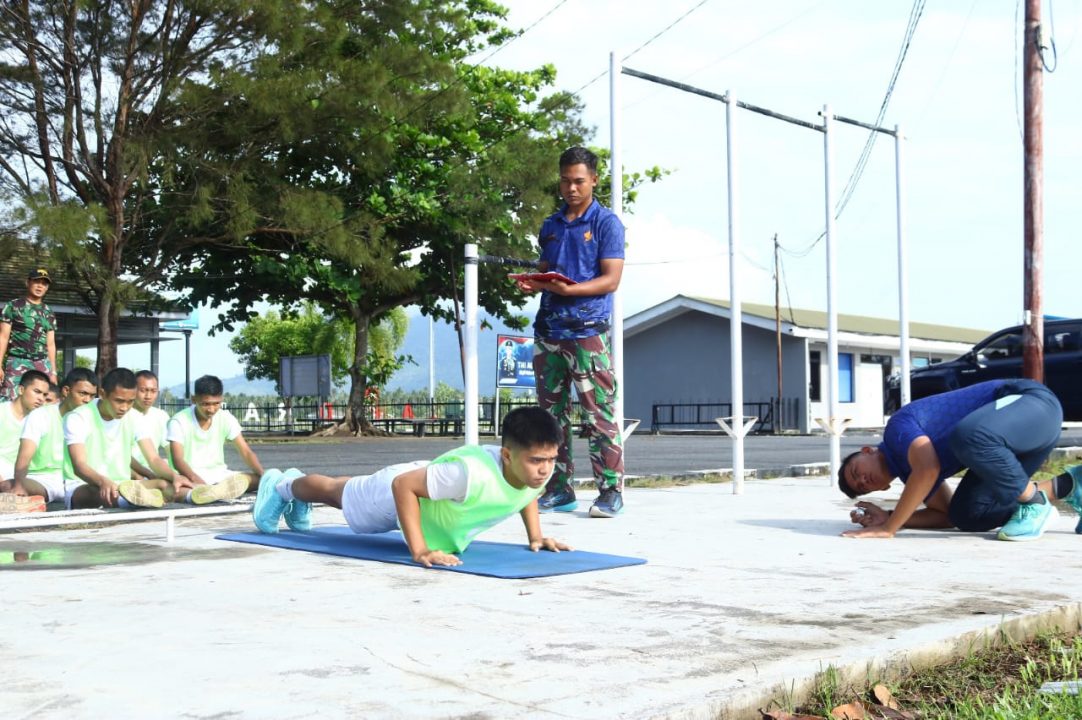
470,339
832,297
903,270
431,363
736,350
616,172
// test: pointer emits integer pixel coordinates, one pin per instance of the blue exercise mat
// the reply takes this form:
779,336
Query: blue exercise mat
492,559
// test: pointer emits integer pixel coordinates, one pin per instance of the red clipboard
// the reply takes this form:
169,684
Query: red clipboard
542,277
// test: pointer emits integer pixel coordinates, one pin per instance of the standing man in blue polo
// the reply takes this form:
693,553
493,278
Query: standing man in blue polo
585,243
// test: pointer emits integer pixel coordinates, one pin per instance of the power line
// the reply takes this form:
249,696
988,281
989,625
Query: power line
737,51
862,162
858,170
656,35
522,32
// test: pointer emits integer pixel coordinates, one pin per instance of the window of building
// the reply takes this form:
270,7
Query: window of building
815,376
845,377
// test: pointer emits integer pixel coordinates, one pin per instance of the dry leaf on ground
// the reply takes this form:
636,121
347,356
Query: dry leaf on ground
849,711
885,697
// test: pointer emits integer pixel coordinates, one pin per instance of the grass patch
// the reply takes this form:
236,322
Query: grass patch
998,682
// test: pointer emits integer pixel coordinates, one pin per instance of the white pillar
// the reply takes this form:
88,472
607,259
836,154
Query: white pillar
616,173
470,340
736,329
833,421
431,362
903,271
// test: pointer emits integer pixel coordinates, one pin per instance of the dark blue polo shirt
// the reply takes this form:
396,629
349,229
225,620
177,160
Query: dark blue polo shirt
576,249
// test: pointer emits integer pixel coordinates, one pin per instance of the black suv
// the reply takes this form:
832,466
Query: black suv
1000,356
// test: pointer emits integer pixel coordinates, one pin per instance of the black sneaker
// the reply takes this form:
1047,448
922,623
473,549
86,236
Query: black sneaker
609,503
558,501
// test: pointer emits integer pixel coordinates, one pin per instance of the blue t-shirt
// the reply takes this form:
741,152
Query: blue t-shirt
576,249
935,416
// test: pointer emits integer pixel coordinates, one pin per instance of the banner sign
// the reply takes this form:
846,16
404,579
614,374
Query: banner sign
514,361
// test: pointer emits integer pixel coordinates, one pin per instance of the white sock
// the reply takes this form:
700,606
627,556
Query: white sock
285,489
188,498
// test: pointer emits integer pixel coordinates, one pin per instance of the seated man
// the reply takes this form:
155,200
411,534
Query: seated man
439,506
39,467
197,436
155,419
1001,430
99,437
30,394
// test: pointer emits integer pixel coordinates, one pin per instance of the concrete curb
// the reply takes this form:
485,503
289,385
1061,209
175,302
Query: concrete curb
891,667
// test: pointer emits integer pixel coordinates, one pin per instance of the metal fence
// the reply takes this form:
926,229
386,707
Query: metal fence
773,415
424,418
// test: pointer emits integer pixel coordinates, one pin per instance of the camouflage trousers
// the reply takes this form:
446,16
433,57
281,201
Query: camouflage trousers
14,369
585,363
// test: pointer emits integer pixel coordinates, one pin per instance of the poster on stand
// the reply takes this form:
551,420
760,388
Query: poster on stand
514,361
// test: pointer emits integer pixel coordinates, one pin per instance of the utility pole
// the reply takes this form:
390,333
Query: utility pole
777,331
1033,202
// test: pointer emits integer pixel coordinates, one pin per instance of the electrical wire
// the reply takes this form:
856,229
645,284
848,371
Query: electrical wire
525,30
656,35
1051,43
862,162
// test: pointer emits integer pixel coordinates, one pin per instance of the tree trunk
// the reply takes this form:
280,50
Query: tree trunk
355,412
108,319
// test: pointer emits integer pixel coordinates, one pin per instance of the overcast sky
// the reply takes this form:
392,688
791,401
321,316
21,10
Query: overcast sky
957,99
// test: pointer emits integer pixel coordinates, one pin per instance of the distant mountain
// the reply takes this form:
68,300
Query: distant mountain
448,358
236,385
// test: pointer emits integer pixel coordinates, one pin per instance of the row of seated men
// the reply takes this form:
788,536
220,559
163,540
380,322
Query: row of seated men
92,444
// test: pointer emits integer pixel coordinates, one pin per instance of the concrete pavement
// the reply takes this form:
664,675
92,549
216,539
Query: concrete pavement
744,599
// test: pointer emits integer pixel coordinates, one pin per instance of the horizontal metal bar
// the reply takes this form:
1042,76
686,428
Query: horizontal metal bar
57,518
866,126
674,84
721,98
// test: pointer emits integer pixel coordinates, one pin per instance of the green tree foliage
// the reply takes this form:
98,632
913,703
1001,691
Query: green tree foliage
89,91
267,338
365,152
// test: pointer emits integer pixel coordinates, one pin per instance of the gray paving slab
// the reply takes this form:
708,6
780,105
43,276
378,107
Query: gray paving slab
743,595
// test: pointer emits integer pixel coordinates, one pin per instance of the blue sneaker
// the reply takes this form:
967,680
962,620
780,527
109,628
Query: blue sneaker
558,500
1075,498
1029,521
299,512
269,505
609,503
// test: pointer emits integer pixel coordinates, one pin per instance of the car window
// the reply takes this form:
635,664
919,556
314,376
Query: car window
1008,345
1062,339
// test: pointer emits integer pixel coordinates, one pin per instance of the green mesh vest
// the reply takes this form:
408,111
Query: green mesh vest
49,456
451,526
203,449
11,429
111,458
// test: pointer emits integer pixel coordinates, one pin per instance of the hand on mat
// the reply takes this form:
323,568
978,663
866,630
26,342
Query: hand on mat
871,516
551,544
871,532
428,558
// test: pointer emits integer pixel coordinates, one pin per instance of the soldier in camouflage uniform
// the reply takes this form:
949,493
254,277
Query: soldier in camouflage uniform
27,334
585,243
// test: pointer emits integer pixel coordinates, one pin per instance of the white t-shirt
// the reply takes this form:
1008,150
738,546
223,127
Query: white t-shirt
450,480
38,423
77,427
155,420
